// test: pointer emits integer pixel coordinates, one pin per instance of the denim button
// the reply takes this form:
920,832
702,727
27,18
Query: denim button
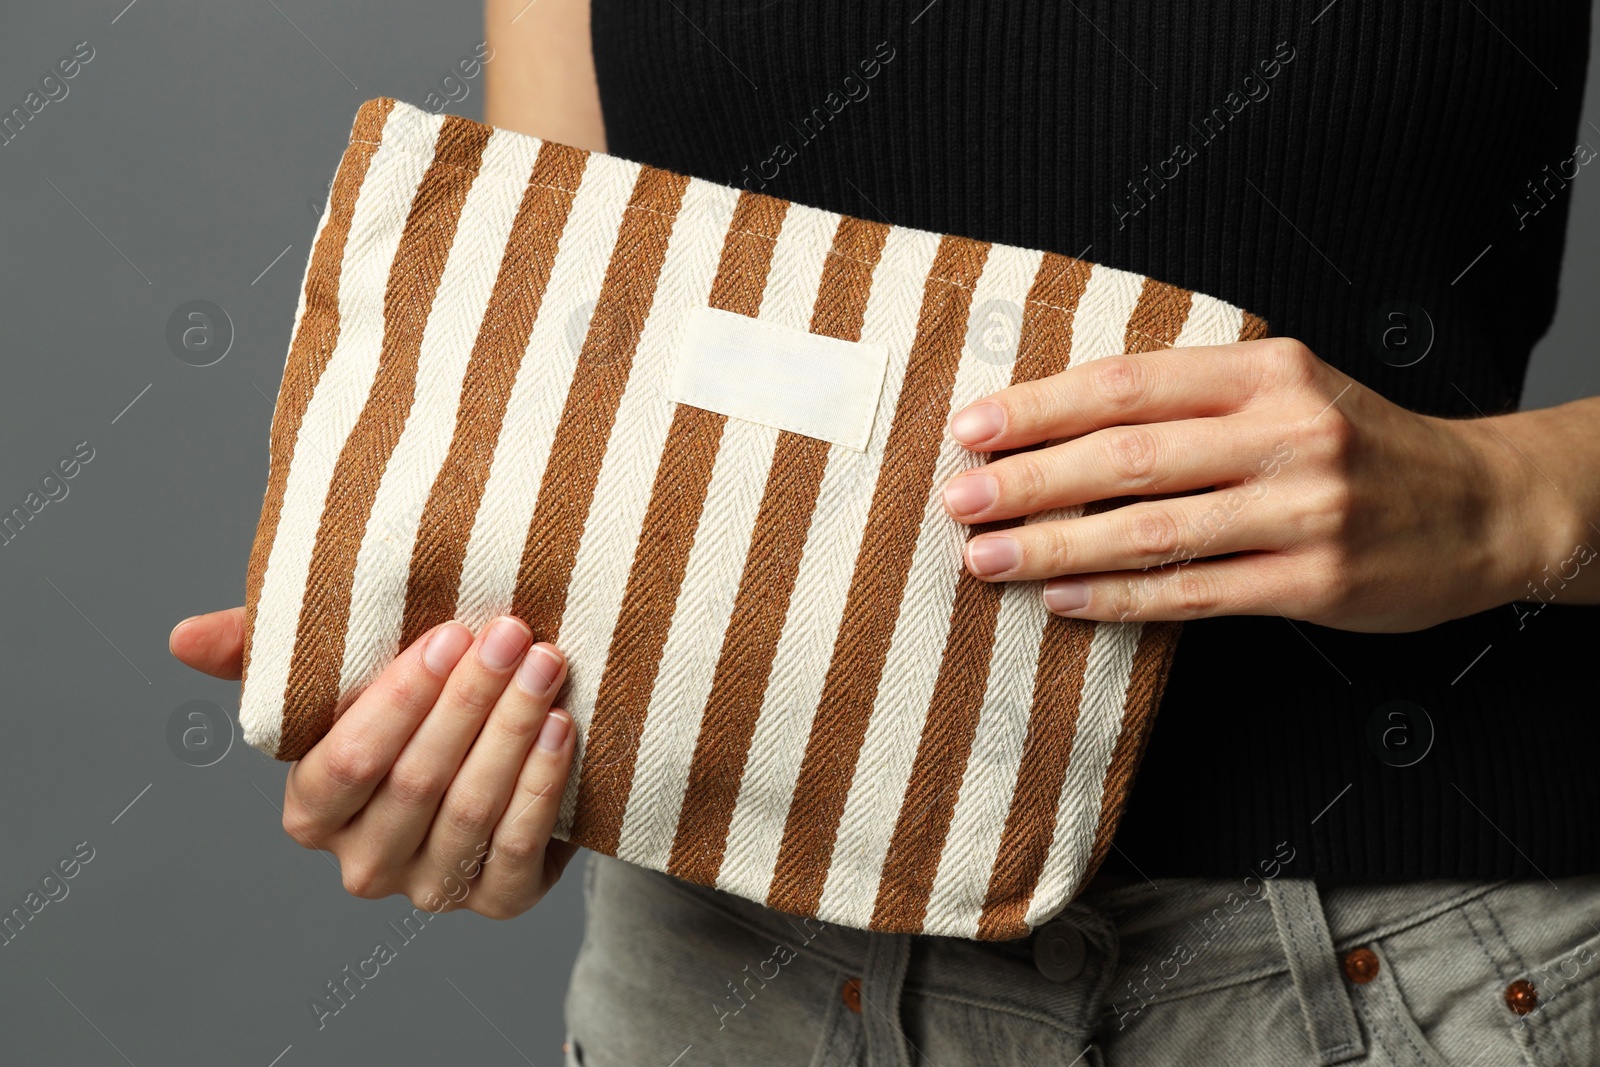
1521,996
1361,965
1058,952
850,993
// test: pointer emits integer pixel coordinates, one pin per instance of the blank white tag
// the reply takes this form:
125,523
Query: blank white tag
747,369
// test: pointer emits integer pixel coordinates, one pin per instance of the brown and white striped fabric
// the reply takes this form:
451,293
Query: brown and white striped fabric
784,684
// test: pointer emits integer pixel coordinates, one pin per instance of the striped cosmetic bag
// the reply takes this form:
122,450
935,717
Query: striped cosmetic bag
696,437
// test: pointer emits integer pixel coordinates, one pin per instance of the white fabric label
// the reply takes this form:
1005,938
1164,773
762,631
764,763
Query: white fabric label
809,384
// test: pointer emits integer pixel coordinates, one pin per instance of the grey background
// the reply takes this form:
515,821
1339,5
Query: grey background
199,932
197,142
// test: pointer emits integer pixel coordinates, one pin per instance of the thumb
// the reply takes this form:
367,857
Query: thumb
212,644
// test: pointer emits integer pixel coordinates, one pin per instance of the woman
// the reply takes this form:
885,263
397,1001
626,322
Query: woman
1355,838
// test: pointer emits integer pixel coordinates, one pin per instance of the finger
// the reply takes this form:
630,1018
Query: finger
397,818
1250,584
482,788
1143,534
212,644
1178,383
339,775
1122,461
523,861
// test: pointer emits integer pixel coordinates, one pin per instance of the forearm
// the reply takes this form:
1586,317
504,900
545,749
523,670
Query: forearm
542,81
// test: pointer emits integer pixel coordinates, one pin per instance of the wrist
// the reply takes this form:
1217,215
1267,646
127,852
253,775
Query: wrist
1530,526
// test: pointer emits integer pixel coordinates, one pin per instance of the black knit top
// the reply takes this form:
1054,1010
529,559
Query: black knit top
1386,182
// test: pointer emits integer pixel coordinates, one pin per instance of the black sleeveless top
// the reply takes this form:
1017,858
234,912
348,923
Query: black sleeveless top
1386,182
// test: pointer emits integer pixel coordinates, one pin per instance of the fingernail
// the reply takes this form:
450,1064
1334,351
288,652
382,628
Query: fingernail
445,647
971,493
1066,595
539,671
978,423
553,734
507,639
174,631
992,555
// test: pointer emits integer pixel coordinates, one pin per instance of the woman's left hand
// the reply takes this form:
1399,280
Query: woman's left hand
1325,501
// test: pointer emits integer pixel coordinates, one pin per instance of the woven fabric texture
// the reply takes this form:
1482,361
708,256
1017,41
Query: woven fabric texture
783,682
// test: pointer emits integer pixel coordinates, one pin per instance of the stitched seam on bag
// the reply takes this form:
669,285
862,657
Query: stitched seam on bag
1165,342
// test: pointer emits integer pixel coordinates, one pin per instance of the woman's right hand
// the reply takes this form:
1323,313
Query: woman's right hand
443,780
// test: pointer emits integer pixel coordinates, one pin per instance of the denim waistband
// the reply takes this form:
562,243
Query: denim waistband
1196,935
993,975
1186,937
1140,943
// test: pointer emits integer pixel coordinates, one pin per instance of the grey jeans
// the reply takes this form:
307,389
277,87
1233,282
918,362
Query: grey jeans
1180,971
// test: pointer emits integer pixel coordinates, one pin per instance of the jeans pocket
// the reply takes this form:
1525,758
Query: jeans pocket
1464,987
1394,1036
1558,1023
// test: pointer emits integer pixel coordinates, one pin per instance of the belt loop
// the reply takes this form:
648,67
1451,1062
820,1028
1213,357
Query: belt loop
887,958
1324,1002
